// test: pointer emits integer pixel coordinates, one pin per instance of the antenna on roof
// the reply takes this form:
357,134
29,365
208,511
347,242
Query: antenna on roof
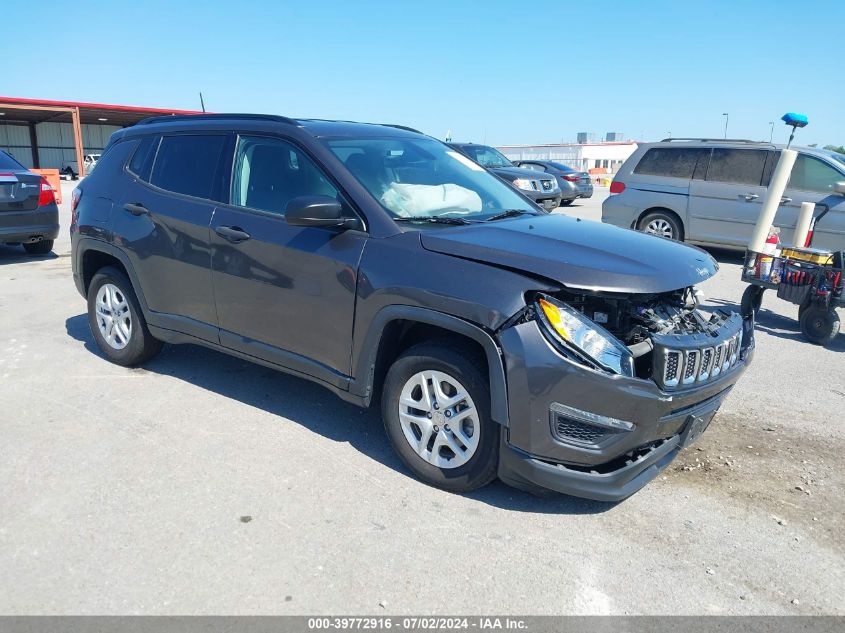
202,103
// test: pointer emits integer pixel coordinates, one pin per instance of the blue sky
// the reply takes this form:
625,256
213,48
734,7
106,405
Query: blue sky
501,72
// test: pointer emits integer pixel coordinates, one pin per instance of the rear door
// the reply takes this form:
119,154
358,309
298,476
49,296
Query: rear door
162,223
725,201
284,293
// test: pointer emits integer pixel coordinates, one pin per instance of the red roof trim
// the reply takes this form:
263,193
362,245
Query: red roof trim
92,106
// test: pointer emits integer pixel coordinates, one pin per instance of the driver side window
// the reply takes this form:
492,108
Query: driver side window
811,174
270,172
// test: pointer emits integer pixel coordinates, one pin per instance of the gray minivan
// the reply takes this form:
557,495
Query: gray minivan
710,192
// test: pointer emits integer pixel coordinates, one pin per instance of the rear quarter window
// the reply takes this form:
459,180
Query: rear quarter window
671,162
142,160
189,164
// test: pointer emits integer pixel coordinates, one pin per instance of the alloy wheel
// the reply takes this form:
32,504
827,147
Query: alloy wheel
439,419
661,227
113,316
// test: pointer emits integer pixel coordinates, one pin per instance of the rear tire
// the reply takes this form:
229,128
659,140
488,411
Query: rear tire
663,224
819,325
459,457
116,320
39,248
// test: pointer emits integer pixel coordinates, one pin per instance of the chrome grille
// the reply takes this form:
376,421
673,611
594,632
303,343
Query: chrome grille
547,185
706,364
698,365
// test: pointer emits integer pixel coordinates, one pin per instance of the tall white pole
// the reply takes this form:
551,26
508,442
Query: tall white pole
777,185
802,227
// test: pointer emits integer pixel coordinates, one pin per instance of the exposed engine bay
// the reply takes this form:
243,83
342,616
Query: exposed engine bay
635,318
645,322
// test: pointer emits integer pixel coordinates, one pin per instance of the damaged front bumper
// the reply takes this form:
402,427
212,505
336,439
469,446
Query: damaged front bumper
593,434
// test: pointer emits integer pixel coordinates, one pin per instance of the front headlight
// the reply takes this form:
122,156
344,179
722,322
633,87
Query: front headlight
523,183
585,337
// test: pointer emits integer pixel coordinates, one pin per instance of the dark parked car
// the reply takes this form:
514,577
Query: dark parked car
28,211
378,262
567,177
543,190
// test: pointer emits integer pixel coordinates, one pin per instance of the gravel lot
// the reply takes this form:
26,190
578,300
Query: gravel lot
205,484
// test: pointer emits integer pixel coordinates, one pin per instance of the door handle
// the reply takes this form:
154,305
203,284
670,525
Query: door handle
136,208
232,233
748,197
785,200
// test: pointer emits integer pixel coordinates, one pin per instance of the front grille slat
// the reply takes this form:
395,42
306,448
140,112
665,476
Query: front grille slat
697,365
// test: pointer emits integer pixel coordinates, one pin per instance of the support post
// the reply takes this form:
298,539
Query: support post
33,146
77,141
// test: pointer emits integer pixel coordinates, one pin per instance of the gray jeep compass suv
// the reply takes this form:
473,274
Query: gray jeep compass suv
382,264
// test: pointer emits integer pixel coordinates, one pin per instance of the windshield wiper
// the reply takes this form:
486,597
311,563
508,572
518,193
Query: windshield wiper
510,213
434,219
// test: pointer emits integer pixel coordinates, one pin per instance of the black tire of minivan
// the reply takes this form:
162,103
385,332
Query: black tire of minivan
669,218
460,364
39,248
141,346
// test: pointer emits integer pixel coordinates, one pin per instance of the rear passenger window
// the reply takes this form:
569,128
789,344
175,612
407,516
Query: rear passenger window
142,159
188,164
739,166
674,162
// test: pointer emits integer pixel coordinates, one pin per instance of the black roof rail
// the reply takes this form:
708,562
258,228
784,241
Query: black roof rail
401,127
215,117
709,140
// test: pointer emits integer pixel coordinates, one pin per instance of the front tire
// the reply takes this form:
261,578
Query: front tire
566,203
819,325
663,224
39,248
116,320
436,411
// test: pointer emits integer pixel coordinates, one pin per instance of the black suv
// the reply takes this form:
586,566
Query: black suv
383,265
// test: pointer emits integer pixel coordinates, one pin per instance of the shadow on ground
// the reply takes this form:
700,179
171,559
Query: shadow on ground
16,255
315,408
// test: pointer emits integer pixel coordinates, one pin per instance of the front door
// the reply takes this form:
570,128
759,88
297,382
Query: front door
813,180
283,293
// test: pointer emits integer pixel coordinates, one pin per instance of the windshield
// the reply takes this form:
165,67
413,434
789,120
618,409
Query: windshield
487,156
423,178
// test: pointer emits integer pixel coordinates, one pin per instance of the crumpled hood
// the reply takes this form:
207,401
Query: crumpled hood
578,254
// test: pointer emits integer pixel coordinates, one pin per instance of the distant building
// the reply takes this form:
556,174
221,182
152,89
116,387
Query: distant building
581,156
586,137
614,137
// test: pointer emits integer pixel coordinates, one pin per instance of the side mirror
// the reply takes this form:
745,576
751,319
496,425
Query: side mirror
318,211
839,187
